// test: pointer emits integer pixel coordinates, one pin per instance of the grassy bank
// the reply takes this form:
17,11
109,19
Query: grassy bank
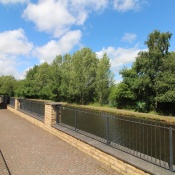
119,112
127,113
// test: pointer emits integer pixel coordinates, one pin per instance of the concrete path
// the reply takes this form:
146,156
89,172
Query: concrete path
3,166
29,150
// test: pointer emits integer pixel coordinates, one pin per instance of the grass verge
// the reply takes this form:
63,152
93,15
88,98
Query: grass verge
127,113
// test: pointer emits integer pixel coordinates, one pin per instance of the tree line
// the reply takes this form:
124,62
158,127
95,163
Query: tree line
149,85
79,78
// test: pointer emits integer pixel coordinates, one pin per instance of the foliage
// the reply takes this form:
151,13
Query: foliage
78,78
84,69
151,78
149,85
140,106
112,96
7,85
104,80
159,42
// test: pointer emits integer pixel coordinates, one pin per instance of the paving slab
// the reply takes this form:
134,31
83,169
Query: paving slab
29,150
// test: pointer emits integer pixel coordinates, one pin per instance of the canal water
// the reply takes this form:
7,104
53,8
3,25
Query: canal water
145,139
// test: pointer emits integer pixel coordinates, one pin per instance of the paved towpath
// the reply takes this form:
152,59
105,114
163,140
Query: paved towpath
29,150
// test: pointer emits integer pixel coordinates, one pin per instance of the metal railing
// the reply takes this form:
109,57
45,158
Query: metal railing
12,102
151,141
36,109
1,98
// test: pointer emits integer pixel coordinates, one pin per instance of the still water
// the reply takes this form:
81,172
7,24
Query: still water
144,139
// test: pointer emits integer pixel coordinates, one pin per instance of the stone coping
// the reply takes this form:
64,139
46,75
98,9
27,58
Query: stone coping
125,157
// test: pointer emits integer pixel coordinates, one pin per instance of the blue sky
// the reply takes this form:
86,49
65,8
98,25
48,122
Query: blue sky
35,31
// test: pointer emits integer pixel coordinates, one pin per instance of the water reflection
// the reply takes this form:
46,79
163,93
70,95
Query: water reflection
148,140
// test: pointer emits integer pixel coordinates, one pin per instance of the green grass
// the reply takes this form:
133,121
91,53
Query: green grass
121,112
127,113
99,105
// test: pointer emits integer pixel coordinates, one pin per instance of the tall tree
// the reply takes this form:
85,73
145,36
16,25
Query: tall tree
84,65
68,82
55,78
27,87
149,64
165,86
125,91
142,79
7,85
43,81
158,41
104,79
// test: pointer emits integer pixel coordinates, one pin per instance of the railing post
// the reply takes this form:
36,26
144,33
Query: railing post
38,109
58,114
171,148
23,105
107,130
75,119
30,106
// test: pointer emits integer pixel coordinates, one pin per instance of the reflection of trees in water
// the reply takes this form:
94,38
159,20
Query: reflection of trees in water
151,139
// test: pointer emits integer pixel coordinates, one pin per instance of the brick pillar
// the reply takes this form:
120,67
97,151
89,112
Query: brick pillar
50,114
16,103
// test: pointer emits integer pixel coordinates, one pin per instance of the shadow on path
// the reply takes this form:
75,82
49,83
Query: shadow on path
4,170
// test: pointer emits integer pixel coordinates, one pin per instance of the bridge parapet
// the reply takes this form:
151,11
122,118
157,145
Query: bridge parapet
116,159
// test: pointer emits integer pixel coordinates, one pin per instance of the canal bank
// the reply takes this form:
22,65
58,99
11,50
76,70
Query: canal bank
128,113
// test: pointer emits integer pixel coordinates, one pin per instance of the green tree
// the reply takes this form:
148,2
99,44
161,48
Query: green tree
158,41
55,78
143,78
149,65
165,86
68,83
124,96
125,93
43,81
27,87
7,85
84,71
104,80
113,96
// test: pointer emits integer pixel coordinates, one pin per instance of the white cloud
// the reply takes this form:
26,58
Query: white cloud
91,4
8,66
119,56
53,48
14,42
13,1
125,5
129,37
13,45
50,16
57,16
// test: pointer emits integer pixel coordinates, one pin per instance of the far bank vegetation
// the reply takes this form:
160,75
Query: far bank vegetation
82,78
